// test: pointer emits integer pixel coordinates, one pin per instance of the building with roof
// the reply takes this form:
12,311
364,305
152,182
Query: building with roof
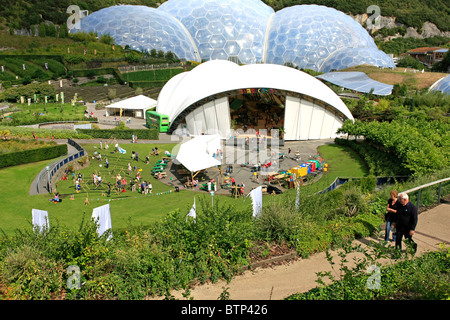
131,107
219,96
428,55
244,31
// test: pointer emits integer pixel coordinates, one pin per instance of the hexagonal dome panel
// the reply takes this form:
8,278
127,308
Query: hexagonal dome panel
350,57
224,29
244,31
314,33
142,28
442,85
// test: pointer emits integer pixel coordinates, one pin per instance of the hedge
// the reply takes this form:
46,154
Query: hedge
379,162
99,72
147,84
146,134
33,155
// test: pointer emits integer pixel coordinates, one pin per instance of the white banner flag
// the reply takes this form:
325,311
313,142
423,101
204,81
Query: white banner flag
102,215
192,213
256,195
40,219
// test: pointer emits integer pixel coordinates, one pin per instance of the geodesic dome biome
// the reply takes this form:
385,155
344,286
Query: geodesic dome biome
442,85
247,32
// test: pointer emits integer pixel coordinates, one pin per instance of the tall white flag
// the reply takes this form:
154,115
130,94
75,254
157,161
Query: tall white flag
40,219
256,195
102,215
192,213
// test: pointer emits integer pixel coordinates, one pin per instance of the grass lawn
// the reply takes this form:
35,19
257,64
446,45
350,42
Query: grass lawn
398,75
129,207
50,111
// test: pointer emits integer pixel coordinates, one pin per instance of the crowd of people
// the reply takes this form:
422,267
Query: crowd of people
124,179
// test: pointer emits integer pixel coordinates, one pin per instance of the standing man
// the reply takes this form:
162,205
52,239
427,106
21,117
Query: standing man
406,221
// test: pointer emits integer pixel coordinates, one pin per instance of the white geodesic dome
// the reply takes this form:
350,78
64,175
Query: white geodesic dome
243,31
442,85
143,29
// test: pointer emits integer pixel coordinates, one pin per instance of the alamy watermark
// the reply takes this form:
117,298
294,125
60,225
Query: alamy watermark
74,21
374,281
74,279
374,21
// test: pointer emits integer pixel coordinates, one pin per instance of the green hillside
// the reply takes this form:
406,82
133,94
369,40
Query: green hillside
413,13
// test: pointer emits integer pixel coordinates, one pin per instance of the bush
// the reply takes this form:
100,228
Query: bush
31,275
27,156
146,134
13,94
279,221
422,278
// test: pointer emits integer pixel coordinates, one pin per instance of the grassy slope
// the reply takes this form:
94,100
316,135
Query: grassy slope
15,182
416,80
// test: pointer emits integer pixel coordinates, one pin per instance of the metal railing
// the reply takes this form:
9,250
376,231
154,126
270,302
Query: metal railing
380,181
420,188
53,168
384,180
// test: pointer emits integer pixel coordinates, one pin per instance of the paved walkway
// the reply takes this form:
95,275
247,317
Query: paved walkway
280,281
40,185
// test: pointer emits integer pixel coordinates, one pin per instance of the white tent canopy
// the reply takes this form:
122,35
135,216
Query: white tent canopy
139,104
200,98
197,153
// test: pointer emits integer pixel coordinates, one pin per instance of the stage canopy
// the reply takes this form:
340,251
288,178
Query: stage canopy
357,81
198,153
138,105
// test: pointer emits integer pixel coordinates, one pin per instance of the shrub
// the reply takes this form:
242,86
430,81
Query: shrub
33,155
147,134
31,275
278,221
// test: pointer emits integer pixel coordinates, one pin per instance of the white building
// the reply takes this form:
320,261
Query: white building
135,107
220,95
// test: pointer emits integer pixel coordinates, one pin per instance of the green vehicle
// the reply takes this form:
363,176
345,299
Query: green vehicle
157,120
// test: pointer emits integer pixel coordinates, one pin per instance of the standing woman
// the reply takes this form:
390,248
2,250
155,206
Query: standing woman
390,216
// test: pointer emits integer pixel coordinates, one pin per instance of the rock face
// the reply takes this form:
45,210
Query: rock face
428,29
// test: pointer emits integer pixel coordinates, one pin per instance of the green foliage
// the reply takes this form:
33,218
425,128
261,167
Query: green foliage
422,278
379,162
123,133
138,262
420,146
412,13
31,274
151,78
23,132
398,46
443,65
45,112
28,91
33,155
409,61
321,221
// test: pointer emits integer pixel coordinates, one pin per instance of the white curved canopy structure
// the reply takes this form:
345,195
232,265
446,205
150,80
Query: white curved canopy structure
200,97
